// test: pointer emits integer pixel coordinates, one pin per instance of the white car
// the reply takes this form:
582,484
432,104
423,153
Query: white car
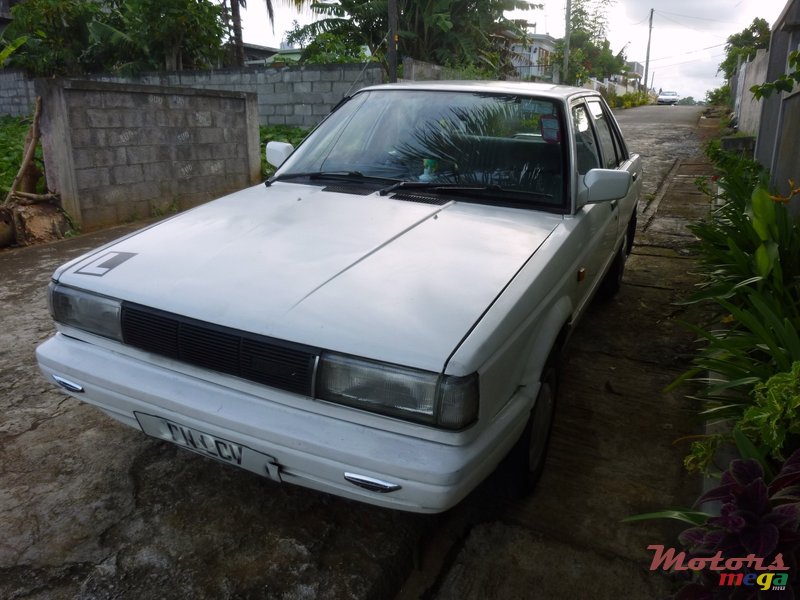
383,319
668,98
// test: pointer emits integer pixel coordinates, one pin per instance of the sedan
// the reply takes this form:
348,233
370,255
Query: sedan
668,98
384,318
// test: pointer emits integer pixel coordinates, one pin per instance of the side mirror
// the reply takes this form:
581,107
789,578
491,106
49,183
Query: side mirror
278,152
603,185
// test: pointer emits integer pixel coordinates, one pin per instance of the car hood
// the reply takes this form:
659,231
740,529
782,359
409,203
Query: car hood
388,279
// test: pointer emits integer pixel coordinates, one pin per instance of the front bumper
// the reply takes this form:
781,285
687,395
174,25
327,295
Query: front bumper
306,448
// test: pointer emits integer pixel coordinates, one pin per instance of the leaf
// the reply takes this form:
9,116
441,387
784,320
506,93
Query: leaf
686,516
748,450
761,540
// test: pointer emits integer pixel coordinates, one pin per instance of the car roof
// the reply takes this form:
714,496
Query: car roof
547,90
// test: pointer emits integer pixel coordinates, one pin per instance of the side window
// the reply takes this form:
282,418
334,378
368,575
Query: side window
585,142
609,147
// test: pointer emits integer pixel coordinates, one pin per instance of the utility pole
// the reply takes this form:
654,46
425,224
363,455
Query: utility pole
647,60
391,53
565,68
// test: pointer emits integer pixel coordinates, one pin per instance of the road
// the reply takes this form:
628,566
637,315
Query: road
91,509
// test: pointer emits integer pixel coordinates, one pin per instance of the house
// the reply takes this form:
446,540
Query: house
534,61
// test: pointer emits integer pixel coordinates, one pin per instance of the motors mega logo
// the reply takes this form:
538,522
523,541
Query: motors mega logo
729,569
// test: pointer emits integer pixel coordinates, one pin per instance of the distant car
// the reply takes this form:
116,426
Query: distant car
668,98
382,320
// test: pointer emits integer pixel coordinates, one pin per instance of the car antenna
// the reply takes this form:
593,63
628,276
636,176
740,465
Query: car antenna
360,75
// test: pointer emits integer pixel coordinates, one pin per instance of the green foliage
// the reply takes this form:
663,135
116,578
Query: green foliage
742,46
784,83
749,256
688,101
278,133
590,52
631,99
453,33
7,48
12,142
720,96
71,37
327,47
57,34
775,412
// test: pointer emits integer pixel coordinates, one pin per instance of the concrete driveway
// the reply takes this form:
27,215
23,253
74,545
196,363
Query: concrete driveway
91,509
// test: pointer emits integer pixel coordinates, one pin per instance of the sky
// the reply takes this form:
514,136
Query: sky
688,37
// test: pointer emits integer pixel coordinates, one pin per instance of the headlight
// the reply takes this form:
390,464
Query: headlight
82,310
410,394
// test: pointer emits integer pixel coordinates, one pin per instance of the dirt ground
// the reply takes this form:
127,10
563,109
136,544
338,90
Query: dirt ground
91,509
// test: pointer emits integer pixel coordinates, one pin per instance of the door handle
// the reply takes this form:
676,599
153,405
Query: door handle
635,176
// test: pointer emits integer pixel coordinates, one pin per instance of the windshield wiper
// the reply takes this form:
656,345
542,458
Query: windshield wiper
335,175
456,188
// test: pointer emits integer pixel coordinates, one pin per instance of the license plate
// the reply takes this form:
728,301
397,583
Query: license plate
209,445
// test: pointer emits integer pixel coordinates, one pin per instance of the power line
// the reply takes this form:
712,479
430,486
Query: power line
686,62
661,12
692,28
690,52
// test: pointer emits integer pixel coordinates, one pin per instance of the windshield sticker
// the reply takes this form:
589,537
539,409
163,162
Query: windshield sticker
104,264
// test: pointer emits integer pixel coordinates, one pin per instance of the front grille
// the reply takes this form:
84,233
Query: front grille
275,363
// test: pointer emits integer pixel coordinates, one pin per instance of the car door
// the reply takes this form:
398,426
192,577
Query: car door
614,155
600,219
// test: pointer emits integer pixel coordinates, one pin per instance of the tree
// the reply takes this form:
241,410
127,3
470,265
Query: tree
456,33
234,19
742,46
57,34
590,52
71,37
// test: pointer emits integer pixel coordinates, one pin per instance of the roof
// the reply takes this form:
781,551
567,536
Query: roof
510,87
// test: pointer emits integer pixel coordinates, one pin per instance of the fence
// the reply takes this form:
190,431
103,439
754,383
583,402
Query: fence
296,95
120,152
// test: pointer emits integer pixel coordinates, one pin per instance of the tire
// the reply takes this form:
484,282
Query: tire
527,458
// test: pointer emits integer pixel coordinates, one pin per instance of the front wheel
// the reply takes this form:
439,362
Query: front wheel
528,455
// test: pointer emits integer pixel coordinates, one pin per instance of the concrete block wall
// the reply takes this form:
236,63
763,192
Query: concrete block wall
17,95
746,107
297,95
120,152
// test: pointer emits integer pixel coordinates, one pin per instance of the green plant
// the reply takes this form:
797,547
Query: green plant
720,96
8,48
749,256
12,142
784,83
759,518
775,413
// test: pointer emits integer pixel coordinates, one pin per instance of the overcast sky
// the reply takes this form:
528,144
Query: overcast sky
687,43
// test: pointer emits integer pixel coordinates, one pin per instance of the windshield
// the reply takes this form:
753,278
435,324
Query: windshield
503,143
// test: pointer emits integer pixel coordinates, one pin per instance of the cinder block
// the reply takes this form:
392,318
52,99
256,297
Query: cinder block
331,75
321,86
92,178
142,154
126,174
302,87
310,74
